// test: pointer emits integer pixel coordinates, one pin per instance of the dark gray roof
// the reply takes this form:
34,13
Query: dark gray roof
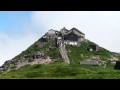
77,30
88,63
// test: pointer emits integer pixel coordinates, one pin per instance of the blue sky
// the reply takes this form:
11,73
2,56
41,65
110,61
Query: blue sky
11,21
20,29
12,33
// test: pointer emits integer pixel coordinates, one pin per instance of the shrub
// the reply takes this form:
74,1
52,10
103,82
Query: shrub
36,66
12,67
34,74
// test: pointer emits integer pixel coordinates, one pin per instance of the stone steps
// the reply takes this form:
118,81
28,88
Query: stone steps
63,53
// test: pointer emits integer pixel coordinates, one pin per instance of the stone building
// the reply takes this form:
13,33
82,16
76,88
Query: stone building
69,37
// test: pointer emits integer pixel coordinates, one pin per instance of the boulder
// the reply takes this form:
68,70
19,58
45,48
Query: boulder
113,58
94,58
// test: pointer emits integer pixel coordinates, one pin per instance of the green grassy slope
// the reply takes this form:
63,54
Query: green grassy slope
81,53
54,53
62,70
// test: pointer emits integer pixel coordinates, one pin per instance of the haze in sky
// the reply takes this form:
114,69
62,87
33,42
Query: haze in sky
20,29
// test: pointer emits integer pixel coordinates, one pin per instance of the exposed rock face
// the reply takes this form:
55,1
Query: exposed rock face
42,44
25,59
51,47
95,58
36,61
8,63
113,58
100,62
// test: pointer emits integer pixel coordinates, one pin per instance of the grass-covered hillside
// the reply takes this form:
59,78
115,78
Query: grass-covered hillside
53,52
77,54
61,70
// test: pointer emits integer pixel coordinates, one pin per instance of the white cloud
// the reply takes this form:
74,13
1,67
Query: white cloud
99,27
11,47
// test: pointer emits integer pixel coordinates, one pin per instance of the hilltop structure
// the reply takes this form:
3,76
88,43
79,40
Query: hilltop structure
68,37
56,45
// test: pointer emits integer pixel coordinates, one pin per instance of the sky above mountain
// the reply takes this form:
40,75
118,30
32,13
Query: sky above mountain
20,29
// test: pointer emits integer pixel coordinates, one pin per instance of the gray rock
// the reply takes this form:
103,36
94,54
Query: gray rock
8,63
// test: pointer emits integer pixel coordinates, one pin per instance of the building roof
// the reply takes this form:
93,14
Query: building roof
75,31
88,63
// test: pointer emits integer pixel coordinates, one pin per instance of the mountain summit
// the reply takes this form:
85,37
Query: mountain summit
52,41
70,46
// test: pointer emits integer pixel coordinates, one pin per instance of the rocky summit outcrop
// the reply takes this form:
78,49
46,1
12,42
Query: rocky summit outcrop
25,58
8,63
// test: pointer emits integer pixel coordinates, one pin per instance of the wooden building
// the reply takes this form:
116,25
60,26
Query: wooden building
69,37
93,47
73,37
50,35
